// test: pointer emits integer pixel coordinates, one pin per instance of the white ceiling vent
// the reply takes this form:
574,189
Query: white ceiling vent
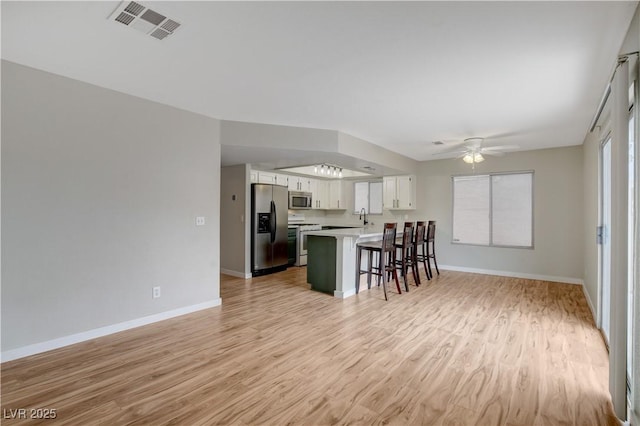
143,19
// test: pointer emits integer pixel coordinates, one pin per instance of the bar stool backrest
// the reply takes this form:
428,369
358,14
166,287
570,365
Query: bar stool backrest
389,237
431,230
407,236
419,233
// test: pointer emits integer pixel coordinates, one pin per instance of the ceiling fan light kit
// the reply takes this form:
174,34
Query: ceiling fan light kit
471,158
471,150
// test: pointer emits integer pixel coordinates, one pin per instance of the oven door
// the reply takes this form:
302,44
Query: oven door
302,248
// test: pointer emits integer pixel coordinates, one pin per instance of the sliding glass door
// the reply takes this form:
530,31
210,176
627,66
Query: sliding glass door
632,327
605,238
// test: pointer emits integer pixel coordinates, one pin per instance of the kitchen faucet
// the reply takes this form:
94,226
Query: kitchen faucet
363,212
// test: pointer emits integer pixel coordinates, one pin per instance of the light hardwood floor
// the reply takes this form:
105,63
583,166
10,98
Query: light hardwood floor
462,349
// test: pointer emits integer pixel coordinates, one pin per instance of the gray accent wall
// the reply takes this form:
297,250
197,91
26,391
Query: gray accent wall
234,220
100,191
558,213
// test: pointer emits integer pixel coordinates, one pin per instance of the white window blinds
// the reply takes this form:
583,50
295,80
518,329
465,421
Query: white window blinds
494,209
471,210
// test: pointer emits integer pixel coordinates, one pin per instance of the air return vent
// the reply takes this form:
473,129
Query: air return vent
145,20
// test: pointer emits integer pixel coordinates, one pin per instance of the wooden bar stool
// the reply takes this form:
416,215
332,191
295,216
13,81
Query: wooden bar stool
386,259
418,243
421,246
431,246
406,259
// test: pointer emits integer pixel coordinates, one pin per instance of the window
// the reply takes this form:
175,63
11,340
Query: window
367,196
494,209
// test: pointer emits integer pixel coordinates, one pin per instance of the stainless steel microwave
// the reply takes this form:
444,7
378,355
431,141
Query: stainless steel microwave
299,200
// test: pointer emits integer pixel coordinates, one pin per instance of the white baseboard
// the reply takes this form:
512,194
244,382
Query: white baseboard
568,280
344,294
593,311
103,331
235,273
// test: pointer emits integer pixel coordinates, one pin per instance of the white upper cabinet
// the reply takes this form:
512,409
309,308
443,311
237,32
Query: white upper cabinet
336,195
320,197
258,176
389,192
266,177
299,184
313,189
399,192
325,194
282,179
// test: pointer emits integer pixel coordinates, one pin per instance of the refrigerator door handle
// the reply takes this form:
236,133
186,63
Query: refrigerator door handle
273,221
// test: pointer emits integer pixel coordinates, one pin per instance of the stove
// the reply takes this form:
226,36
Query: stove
301,253
297,221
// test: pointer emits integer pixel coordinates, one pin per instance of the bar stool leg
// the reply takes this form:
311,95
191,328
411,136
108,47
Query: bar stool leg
435,262
358,268
424,260
383,272
414,266
429,262
405,269
369,268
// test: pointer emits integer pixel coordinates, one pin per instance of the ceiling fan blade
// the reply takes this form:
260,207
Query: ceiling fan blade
500,147
451,148
492,153
450,152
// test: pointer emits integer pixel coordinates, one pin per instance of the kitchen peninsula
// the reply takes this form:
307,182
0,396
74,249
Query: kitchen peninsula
331,264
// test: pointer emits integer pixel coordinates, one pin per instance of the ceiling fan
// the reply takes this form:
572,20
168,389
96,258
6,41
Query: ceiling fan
471,150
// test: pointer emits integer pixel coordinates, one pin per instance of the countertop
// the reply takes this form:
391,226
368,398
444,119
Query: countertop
358,233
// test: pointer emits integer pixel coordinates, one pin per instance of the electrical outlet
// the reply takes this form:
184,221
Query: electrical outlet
156,292
199,220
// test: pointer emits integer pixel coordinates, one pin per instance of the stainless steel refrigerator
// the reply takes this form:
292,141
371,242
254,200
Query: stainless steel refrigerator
269,224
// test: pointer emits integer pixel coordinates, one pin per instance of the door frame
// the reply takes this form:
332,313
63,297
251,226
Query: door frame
607,139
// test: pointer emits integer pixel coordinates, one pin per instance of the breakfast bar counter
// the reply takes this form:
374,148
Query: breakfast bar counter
331,262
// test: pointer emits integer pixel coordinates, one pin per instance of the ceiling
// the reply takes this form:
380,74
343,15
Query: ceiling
397,74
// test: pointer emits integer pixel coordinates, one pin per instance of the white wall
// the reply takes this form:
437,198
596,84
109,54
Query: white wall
234,181
240,133
348,217
558,215
366,151
100,191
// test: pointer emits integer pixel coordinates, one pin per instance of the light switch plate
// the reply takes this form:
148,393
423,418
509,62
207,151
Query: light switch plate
200,220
